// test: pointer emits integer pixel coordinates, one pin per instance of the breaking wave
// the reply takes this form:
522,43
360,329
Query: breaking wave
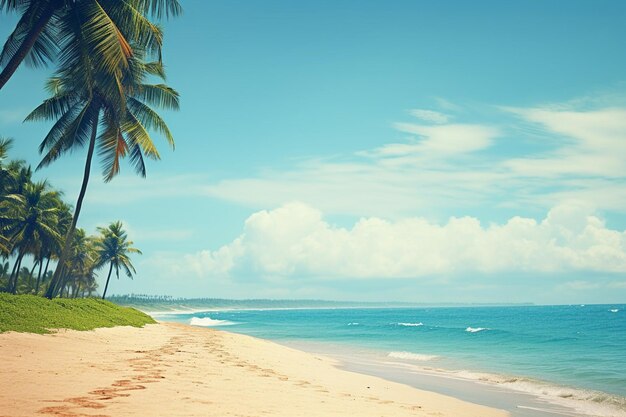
209,322
412,356
475,329
588,402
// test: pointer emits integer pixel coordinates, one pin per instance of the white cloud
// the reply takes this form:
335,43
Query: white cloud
296,241
587,143
430,116
444,139
558,154
446,104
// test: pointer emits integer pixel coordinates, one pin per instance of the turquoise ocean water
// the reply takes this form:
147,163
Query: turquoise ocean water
570,356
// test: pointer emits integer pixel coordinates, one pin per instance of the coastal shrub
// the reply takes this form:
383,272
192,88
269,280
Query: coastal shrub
33,314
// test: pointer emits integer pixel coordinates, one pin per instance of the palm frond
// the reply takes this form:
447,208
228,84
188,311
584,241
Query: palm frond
138,30
159,8
156,69
138,134
59,128
103,37
15,39
75,134
159,95
136,159
150,119
53,108
111,148
44,49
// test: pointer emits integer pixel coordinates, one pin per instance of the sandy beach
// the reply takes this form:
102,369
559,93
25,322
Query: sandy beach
177,370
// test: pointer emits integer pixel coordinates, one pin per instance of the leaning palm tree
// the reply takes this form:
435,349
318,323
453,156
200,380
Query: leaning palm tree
109,28
114,248
91,107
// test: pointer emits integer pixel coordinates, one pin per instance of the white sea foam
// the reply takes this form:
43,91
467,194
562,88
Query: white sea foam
412,356
475,329
353,324
410,324
209,322
583,401
587,402
614,310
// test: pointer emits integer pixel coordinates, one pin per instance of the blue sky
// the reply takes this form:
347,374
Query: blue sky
415,151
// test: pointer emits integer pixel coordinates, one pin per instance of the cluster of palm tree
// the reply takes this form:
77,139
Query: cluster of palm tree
106,53
33,221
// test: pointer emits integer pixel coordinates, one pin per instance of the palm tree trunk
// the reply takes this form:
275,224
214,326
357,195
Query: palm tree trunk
107,284
58,272
27,44
45,271
31,276
18,264
39,275
10,281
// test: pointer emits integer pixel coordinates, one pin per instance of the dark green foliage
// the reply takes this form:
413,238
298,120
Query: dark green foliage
29,313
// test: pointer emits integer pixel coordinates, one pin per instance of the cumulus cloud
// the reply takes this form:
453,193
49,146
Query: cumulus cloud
296,241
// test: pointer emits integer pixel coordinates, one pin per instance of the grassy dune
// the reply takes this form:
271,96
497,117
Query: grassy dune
29,313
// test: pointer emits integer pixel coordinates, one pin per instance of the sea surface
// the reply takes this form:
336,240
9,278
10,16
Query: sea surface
541,360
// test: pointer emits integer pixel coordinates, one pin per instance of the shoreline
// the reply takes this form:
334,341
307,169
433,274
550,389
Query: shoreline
522,401
473,377
175,369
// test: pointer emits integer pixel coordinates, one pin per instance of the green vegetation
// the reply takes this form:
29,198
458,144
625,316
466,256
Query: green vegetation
33,221
114,248
106,55
28,313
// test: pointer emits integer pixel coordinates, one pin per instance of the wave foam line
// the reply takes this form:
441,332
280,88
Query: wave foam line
209,322
412,356
410,324
584,401
475,329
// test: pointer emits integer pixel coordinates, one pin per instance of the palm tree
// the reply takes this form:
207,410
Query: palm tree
113,248
5,174
29,217
84,99
80,263
6,179
108,29
4,275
